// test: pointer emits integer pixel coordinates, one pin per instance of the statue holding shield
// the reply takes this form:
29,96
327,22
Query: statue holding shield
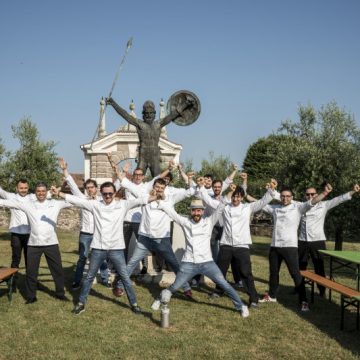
183,108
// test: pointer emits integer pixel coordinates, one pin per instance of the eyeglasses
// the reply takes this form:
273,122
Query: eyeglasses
107,194
310,194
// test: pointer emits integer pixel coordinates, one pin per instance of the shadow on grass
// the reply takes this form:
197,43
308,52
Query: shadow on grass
4,236
325,316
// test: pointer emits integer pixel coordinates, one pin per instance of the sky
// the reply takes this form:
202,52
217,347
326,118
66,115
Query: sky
251,63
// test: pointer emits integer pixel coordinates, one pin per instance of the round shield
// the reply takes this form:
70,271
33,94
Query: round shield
191,113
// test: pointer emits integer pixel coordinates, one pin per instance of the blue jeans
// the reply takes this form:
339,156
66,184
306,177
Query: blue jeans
84,248
210,269
161,246
118,260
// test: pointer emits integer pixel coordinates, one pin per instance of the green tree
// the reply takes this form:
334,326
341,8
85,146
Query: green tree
34,160
321,146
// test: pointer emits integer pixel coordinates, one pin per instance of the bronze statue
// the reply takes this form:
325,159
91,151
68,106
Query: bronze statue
149,130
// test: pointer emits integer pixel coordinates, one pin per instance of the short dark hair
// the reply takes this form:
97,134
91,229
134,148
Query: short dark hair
22,181
217,181
90,181
40,184
209,176
107,184
159,181
239,190
286,188
137,169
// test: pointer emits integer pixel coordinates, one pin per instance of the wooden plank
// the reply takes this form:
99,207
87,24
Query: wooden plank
7,272
342,289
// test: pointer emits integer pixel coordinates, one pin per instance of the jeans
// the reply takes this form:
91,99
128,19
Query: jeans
210,269
118,260
143,248
215,241
84,249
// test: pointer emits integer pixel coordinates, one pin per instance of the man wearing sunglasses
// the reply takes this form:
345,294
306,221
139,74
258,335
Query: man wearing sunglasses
86,227
312,236
108,241
284,243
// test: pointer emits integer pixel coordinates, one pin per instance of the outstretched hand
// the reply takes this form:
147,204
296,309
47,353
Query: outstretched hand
55,191
62,163
200,181
356,188
328,189
112,162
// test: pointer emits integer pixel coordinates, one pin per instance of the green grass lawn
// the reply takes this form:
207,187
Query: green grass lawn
199,329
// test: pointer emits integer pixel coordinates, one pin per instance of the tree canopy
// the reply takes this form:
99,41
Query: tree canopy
322,146
34,160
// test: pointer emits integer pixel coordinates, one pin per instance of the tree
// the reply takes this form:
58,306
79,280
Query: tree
34,160
322,146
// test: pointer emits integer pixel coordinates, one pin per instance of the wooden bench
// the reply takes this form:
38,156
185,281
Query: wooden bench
7,274
349,296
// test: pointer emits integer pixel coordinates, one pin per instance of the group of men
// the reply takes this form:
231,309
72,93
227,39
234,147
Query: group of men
217,233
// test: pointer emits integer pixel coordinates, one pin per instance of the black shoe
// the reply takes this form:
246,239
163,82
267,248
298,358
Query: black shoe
106,283
78,309
62,297
136,309
31,301
143,270
75,286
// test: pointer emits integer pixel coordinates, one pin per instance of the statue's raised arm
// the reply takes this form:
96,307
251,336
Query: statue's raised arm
123,113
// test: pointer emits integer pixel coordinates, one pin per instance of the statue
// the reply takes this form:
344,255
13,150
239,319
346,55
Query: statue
149,130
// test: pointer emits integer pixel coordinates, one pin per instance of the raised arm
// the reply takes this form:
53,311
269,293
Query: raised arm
170,211
69,179
342,198
12,204
74,200
123,113
269,195
188,103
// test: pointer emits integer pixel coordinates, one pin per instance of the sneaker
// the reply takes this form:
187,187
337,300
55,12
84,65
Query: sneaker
105,283
267,298
156,305
118,292
305,306
79,308
31,301
62,298
244,311
136,309
254,305
239,285
188,294
143,270
75,286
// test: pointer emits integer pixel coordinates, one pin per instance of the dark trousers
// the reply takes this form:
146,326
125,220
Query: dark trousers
311,249
241,258
18,243
290,256
53,258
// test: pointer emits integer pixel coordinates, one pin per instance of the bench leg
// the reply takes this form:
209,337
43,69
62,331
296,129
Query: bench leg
342,313
10,287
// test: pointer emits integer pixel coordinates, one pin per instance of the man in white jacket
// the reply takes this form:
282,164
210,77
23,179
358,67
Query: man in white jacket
42,215
312,236
197,258
236,238
108,240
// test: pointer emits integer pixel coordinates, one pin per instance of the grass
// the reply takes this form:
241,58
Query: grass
199,329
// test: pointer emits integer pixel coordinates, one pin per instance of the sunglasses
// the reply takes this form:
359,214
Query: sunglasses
107,194
310,194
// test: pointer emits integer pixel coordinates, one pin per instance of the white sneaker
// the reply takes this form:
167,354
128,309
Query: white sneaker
305,306
267,298
156,305
244,311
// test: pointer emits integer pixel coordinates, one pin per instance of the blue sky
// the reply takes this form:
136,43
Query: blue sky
251,63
